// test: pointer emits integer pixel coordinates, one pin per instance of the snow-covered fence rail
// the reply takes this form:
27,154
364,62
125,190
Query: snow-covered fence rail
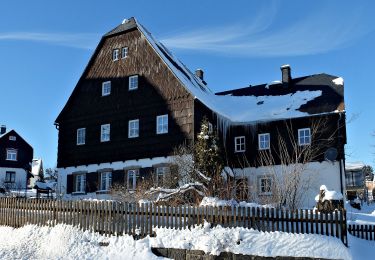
362,231
111,217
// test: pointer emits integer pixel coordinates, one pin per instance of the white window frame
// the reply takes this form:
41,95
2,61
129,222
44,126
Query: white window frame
12,138
262,143
162,124
105,133
81,136
10,177
161,172
12,154
115,54
133,128
306,139
105,181
239,141
124,52
133,82
79,183
106,88
267,185
132,176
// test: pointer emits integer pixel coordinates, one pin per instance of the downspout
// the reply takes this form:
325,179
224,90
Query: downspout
339,135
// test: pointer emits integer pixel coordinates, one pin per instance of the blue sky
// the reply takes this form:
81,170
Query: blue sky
45,45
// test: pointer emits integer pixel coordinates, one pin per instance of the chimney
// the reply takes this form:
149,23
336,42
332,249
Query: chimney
285,74
199,74
3,129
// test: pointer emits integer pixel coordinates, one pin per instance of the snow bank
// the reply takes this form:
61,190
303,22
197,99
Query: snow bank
216,202
67,242
245,241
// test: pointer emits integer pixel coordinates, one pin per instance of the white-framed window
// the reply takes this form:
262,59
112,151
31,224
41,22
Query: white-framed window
239,144
115,54
106,88
12,138
162,124
105,133
161,173
264,141
105,181
133,175
304,136
79,182
133,128
124,52
81,136
133,82
10,177
265,186
11,154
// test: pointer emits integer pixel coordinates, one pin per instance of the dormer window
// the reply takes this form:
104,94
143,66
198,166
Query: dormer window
106,88
124,52
12,138
115,54
133,82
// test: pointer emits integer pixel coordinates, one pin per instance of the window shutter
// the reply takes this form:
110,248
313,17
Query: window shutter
69,183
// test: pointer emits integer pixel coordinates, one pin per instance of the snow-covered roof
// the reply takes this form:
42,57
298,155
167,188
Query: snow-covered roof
354,166
248,108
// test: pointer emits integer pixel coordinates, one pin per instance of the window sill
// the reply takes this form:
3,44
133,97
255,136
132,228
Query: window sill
102,192
11,160
263,149
265,194
240,151
78,193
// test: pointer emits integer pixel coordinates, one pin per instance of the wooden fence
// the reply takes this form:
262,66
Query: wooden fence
362,231
110,217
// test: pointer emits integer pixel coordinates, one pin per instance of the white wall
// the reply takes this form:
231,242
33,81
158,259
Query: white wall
147,162
317,173
20,180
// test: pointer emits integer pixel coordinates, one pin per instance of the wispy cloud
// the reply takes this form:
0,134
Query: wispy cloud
77,40
316,33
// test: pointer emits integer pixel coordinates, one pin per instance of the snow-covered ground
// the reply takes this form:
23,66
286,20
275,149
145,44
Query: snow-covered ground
67,242
365,216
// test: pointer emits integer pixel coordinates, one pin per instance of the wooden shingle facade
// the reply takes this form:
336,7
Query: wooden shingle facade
135,103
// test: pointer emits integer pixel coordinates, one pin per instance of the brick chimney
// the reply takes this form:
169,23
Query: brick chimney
286,74
3,129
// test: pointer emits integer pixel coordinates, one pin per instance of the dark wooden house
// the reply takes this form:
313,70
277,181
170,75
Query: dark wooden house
135,102
15,160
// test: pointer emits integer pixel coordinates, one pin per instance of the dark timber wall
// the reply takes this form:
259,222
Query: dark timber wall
24,151
159,92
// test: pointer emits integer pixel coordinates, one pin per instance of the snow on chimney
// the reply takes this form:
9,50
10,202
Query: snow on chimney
286,74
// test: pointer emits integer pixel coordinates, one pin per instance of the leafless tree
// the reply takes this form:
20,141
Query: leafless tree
286,163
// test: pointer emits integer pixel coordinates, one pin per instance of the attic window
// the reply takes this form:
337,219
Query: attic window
12,138
106,88
11,155
133,82
264,141
115,54
124,52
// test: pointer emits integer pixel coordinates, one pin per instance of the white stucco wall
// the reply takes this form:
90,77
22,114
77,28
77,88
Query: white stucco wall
315,173
63,172
20,179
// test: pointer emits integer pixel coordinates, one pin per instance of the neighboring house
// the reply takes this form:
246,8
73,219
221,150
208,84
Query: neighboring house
355,180
36,172
15,159
135,102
